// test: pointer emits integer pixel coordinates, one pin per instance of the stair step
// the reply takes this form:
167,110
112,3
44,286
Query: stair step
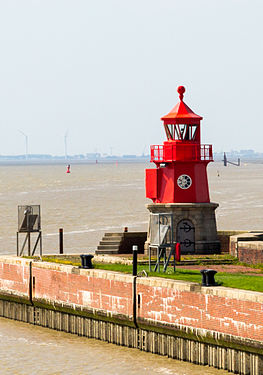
109,243
108,247
106,252
112,239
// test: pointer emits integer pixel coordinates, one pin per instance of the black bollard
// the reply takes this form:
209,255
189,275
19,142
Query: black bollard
208,277
134,260
86,261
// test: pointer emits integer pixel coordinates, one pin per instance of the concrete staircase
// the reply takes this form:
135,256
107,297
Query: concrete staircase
110,243
121,243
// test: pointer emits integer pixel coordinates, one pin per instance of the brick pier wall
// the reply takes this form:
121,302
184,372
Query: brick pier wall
247,247
218,326
224,310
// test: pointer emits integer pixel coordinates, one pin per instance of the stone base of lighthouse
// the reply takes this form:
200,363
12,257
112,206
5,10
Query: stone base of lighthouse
191,224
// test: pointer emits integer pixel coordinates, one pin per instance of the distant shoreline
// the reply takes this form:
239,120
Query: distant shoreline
111,160
120,160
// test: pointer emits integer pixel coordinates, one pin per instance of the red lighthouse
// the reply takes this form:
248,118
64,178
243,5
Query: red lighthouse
179,184
181,161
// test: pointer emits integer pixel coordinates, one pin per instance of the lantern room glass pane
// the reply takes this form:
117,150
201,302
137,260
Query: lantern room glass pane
170,127
182,132
193,132
182,129
177,132
186,132
168,132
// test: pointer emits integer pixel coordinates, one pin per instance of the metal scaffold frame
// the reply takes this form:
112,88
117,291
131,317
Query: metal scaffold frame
162,239
28,223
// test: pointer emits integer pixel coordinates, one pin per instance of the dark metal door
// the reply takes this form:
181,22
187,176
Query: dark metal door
186,236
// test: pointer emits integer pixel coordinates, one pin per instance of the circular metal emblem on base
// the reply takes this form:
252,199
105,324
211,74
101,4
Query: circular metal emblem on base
184,181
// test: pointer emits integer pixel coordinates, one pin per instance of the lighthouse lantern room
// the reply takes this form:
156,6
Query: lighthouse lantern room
179,185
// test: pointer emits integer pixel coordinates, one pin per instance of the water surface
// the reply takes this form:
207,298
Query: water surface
93,199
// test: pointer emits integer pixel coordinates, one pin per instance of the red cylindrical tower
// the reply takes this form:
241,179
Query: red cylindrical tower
180,174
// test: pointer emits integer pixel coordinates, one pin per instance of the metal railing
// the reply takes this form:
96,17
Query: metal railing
181,152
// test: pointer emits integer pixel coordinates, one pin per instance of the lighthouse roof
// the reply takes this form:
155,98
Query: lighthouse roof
181,113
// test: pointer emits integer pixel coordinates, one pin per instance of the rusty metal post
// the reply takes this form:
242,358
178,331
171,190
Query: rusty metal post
61,249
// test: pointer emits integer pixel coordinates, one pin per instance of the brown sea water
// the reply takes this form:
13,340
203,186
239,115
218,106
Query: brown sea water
93,199
96,198
32,350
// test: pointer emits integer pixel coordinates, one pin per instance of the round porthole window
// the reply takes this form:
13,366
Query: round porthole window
184,181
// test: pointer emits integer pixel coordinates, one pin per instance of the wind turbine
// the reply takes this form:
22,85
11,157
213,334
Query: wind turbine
26,139
65,144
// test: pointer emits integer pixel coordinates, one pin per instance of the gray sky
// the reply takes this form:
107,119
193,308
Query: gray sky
107,70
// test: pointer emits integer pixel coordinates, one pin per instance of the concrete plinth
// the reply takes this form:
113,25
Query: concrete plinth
193,223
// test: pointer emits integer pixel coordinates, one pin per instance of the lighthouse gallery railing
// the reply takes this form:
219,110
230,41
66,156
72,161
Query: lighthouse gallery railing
191,152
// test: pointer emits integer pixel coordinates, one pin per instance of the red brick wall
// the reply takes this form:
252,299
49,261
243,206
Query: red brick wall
14,277
230,315
94,292
250,255
224,310
224,238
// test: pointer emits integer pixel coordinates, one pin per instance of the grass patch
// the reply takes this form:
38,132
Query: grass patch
237,280
240,281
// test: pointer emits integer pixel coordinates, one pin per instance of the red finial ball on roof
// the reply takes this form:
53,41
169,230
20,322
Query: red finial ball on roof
181,91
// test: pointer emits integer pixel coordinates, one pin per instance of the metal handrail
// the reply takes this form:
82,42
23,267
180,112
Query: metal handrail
182,152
